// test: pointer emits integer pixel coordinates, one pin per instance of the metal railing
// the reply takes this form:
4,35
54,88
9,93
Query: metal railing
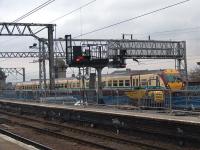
151,99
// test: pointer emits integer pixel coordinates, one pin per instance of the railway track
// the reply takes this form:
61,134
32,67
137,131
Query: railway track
24,140
85,133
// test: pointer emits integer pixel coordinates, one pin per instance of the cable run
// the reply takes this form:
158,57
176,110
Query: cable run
30,13
130,19
72,11
33,10
58,18
189,29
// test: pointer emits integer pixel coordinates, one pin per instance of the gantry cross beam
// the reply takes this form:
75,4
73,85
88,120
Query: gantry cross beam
28,55
132,49
149,49
21,29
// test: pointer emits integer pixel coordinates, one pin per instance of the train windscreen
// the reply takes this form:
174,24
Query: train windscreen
173,78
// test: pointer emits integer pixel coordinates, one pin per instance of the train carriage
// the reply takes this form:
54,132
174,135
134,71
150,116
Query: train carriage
126,86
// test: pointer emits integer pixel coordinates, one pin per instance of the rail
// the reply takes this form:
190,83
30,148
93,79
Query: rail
24,140
84,132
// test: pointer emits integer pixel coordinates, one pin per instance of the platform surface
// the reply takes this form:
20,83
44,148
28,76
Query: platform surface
148,114
7,143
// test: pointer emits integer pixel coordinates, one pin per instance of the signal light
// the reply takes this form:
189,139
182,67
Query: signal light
80,59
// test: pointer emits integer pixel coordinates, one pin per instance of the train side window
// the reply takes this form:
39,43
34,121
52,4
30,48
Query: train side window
127,82
136,82
150,82
133,82
59,85
115,83
65,85
74,85
143,82
87,84
109,83
78,84
121,83
69,85
103,84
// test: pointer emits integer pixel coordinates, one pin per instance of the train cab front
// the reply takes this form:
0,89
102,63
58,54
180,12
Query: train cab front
173,80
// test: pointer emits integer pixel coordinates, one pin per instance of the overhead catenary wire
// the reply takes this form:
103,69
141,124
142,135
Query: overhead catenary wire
84,5
133,18
189,29
150,62
33,10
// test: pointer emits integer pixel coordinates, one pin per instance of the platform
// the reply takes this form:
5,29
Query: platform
145,114
7,143
186,127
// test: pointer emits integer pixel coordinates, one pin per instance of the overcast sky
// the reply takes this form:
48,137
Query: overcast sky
102,13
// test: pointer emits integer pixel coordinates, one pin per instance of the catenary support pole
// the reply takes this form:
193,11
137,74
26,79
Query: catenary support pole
99,87
24,75
44,65
51,57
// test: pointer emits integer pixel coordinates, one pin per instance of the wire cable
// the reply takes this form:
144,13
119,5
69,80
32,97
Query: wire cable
33,10
189,29
30,13
85,5
130,19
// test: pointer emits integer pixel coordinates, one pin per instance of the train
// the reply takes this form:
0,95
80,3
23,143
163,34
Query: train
119,87
149,79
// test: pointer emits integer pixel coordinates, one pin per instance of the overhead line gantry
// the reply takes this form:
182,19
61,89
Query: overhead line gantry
99,53
26,29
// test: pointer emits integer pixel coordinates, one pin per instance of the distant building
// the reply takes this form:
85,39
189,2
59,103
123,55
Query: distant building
60,68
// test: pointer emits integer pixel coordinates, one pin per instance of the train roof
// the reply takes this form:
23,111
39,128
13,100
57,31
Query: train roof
126,72
132,72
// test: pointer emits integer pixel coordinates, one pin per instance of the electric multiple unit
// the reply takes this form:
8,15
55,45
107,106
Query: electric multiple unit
128,86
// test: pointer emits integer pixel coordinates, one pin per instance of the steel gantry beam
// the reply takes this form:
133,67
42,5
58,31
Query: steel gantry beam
28,29
20,29
147,49
28,55
133,49
139,49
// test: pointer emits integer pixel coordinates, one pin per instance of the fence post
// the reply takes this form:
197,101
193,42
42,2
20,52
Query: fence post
170,101
187,99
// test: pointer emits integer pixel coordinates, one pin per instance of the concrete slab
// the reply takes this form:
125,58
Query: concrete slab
7,143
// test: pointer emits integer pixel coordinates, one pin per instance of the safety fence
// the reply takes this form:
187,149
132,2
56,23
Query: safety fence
143,99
